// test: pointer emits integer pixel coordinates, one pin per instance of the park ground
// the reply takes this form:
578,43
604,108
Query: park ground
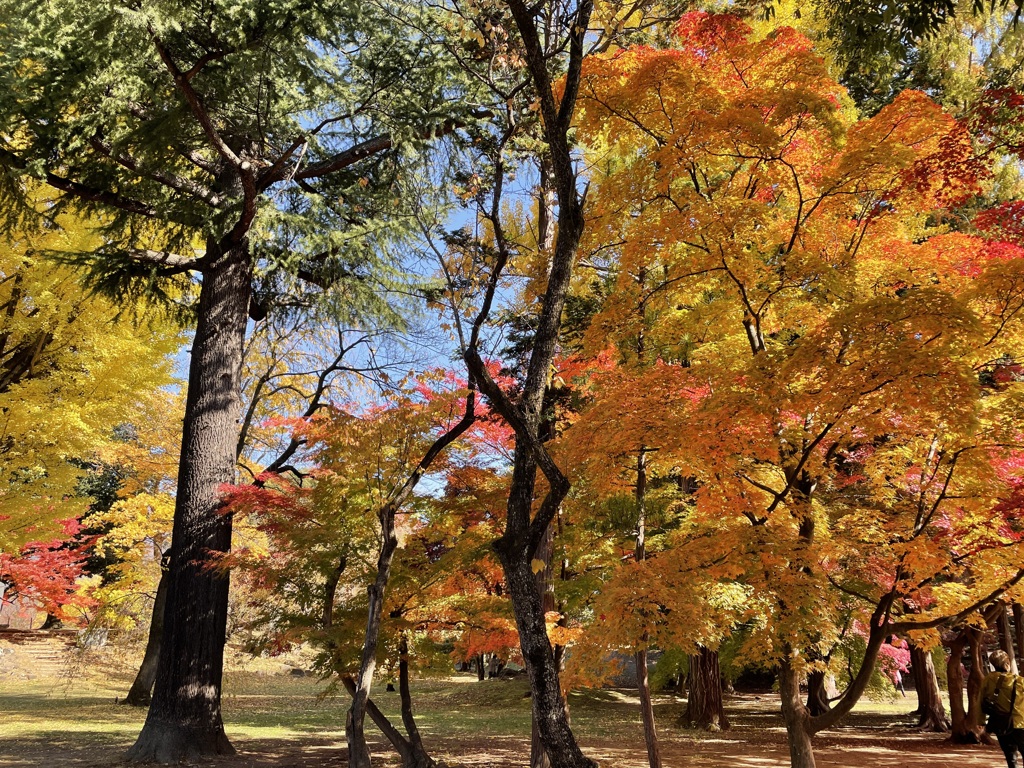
277,720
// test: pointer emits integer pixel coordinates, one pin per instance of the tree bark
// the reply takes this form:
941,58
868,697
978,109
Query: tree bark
481,673
1006,637
704,706
796,716
930,709
524,530
140,694
1018,628
543,576
818,698
358,751
419,757
392,734
975,718
640,554
800,725
647,710
184,720
964,729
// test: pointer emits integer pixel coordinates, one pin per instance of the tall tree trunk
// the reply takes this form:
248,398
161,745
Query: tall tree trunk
796,716
930,709
481,673
704,705
184,720
647,709
1006,637
523,529
140,694
975,718
640,554
1018,628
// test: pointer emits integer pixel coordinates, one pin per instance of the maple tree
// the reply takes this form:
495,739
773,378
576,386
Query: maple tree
365,469
776,223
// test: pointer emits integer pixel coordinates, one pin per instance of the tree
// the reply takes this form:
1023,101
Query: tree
362,462
229,144
73,368
780,226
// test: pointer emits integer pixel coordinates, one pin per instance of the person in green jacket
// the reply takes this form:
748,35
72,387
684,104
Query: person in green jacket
1005,693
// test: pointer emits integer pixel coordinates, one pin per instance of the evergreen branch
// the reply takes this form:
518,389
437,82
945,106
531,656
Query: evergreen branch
365,149
194,102
344,159
171,262
173,181
81,191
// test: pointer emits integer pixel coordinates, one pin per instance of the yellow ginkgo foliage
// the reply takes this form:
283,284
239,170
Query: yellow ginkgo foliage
74,369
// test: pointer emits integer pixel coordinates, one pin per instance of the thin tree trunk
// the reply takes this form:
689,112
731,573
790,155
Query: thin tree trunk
140,694
975,718
796,716
647,709
330,593
358,751
184,720
704,706
1006,637
543,576
481,673
523,529
420,758
640,554
930,709
1018,628
392,734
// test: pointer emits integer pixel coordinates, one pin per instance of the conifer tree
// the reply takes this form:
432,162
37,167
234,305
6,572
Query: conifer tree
241,150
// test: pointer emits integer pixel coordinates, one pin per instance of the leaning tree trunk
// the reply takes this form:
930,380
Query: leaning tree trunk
184,719
358,751
140,694
418,754
704,706
930,710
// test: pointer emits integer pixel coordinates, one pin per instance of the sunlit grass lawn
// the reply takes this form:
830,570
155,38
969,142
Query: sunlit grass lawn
271,717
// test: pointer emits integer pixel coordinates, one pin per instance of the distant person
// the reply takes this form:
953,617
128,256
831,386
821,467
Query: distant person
1002,699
